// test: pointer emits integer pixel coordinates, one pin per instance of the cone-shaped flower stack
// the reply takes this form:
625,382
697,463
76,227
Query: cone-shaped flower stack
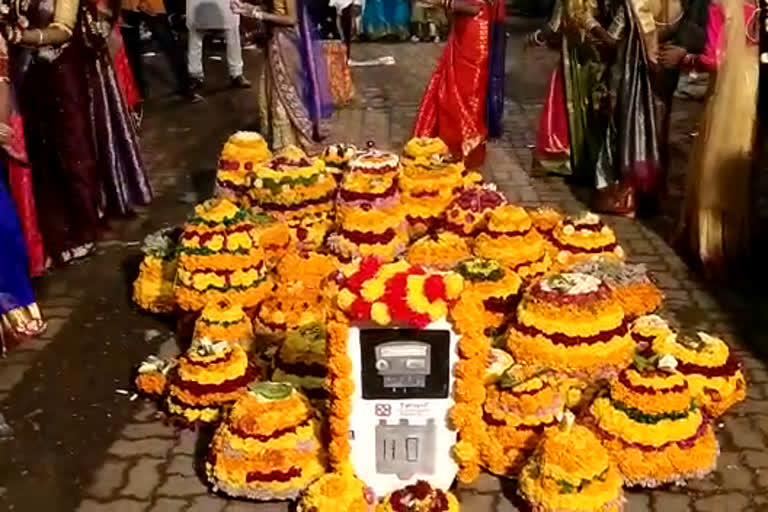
338,491
511,239
583,238
221,257
209,376
490,291
713,373
571,322
301,360
571,472
468,214
153,288
630,284
239,157
225,320
419,497
517,411
439,251
268,447
653,428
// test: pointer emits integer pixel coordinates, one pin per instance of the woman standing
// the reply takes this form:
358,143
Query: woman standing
464,99
19,315
386,19
716,213
82,144
294,94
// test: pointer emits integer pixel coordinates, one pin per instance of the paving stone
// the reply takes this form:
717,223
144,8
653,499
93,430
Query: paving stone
147,412
736,478
168,505
637,502
663,501
151,447
731,502
11,375
108,479
707,484
181,464
186,443
485,483
743,433
478,501
143,478
207,504
244,506
182,486
112,506
756,459
145,430
762,479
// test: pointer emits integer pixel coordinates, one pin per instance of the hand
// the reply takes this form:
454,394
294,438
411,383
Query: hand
671,56
6,134
12,34
245,9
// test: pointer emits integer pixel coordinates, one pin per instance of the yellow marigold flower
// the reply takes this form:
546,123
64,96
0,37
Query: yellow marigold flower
373,289
380,313
454,284
345,298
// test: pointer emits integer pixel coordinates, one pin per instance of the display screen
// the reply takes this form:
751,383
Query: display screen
405,363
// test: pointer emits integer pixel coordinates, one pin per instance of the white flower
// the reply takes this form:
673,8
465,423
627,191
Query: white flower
668,363
569,230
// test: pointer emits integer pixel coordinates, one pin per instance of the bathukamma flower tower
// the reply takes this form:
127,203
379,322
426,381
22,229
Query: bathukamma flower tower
584,237
571,323
571,471
226,321
268,447
651,425
222,256
242,152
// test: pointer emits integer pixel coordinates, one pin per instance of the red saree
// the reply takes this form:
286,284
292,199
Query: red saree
454,103
552,143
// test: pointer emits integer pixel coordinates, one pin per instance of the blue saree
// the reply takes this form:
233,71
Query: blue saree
17,300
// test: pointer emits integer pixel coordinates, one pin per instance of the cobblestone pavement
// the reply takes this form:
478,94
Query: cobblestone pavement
79,444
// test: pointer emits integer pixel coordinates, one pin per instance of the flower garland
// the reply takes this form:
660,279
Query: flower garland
341,387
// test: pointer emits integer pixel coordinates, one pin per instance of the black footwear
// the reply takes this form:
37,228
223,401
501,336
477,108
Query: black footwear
240,82
196,84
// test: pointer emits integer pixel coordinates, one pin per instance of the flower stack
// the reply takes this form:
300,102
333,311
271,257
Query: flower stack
396,293
510,239
584,237
714,375
419,497
630,284
338,491
221,257
440,251
572,471
646,329
572,323
468,214
226,321
209,376
517,411
301,360
298,189
153,288
428,184
369,212
242,153
494,288
545,220
337,158
268,447
289,306
652,427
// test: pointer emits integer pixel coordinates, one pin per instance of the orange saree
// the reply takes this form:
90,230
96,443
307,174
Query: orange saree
454,103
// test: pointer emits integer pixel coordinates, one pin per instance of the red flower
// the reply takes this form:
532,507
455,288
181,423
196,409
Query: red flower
360,310
419,320
434,288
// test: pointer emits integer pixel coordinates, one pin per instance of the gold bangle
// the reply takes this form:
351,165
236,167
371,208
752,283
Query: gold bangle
40,37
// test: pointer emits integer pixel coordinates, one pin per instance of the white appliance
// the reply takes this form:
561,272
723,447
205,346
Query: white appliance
399,427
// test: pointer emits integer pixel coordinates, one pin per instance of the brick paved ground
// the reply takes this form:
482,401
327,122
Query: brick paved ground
79,445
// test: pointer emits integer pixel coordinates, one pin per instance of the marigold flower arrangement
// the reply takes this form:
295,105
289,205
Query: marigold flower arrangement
423,149
240,155
226,321
631,285
468,214
376,162
493,288
396,293
652,427
440,251
517,411
545,220
510,239
209,376
312,269
301,360
571,471
337,492
337,158
583,238
419,497
714,375
221,257
646,329
289,306
571,323
268,448
153,375
153,288
341,387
